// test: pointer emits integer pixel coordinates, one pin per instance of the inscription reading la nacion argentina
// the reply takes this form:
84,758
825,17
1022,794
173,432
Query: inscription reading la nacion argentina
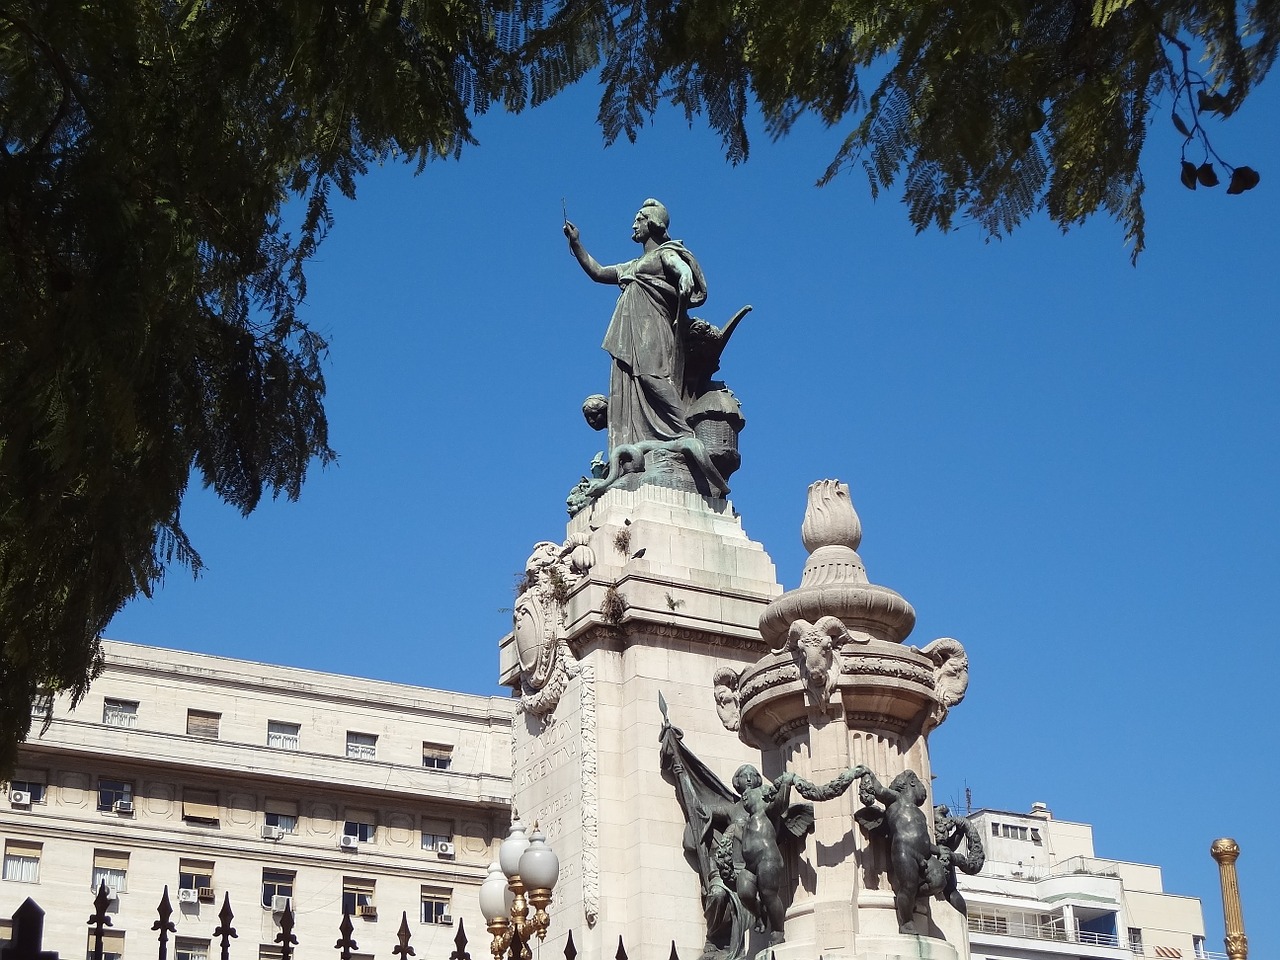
556,747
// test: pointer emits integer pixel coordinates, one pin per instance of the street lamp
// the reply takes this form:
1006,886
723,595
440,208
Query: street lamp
525,873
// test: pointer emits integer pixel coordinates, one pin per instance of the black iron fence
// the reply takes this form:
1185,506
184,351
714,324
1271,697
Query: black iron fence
26,941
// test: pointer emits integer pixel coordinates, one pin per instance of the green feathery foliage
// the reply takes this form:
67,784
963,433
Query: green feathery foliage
988,110
151,286
147,147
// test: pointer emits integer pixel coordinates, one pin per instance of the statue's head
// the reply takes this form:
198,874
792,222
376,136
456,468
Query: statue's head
596,409
651,222
908,785
746,777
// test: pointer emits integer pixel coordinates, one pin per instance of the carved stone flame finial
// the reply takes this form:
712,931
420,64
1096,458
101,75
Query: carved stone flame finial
831,533
829,518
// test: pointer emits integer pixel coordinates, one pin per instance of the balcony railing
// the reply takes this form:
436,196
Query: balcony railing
1088,866
1031,870
1014,927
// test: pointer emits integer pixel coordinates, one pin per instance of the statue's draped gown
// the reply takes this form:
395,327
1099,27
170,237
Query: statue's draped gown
646,388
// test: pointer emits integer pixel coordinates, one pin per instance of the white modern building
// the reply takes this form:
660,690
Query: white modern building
272,785
1045,895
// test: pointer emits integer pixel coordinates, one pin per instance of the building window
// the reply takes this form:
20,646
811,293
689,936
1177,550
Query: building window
203,723
434,841
112,945
277,886
435,906
196,875
1197,946
361,827
1135,940
22,861
362,746
281,735
200,807
269,951
995,829
42,706
282,814
436,756
115,795
120,713
110,867
357,898
187,948
33,790
1035,836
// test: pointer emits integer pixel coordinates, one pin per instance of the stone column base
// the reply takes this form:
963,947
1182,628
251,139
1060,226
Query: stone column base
896,946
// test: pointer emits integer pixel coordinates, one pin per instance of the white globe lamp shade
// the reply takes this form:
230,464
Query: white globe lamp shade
539,865
513,849
495,895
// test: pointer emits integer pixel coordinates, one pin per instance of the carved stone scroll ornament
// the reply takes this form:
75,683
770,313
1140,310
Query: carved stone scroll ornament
546,663
725,688
816,650
950,676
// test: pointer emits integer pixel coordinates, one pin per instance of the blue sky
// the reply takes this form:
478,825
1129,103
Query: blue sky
1068,463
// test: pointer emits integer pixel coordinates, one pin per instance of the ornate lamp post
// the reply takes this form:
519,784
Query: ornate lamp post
525,873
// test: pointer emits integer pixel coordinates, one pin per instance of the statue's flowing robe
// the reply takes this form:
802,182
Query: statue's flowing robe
646,388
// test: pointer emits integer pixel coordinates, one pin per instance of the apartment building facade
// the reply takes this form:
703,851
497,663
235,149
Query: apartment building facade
273,785
1045,895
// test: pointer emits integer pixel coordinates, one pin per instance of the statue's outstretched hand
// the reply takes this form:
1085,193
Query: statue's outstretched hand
571,232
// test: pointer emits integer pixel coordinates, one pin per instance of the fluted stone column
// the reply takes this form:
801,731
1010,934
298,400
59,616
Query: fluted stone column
818,707
1225,851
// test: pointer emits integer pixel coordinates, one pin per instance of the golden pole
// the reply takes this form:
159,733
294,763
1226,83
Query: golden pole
1225,850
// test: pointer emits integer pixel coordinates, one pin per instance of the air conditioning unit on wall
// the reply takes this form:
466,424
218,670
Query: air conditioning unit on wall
20,798
349,843
270,832
444,850
187,896
279,904
123,806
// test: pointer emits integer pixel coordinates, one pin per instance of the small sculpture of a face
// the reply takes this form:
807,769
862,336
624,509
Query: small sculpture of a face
725,691
596,411
746,778
640,227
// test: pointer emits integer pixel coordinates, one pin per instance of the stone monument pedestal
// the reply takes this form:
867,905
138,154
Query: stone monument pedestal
657,591
673,591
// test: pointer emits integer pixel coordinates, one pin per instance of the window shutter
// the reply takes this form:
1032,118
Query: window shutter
203,723
199,805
